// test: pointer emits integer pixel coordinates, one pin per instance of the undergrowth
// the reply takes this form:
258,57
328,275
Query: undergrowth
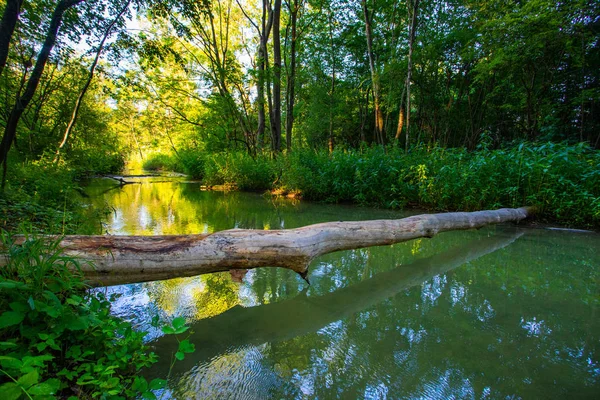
59,340
562,180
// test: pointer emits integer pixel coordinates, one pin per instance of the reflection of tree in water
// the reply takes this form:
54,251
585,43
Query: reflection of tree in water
489,327
517,322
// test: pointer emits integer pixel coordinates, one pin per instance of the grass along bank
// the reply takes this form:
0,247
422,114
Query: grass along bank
46,196
562,180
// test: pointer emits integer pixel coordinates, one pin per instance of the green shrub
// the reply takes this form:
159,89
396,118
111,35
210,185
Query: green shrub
46,197
58,339
562,180
241,170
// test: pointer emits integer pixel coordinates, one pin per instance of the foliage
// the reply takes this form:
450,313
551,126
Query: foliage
185,161
562,180
240,170
47,197
56,338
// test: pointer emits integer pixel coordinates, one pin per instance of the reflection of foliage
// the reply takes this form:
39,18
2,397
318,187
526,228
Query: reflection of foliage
205,296
218,295
509,304
529,305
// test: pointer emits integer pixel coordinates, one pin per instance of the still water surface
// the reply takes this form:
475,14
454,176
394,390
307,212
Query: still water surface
503,312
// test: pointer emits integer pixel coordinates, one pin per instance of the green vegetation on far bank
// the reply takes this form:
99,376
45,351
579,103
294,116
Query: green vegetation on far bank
562,180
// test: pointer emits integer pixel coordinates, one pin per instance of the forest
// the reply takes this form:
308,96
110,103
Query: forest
444,105
459,105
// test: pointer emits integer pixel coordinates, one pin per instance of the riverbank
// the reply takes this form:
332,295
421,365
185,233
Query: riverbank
562,181
46,197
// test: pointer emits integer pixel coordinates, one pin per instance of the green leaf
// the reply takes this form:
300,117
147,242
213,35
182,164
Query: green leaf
8,285
29,379
46,388
149,396
156,384
78,324
178,322
7,345
179,355
19,306
10,318
10,391
168,330
10,362
31,303
186,347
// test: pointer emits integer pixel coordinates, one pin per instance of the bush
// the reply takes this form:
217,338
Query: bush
240,170
56,338
562,180
46,197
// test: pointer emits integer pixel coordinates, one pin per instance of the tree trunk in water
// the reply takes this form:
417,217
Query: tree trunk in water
276,111
374,76
7,28
87,83
129,259
411,40
10,131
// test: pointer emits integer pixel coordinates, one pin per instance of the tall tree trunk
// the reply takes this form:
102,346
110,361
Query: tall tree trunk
260,95
411,40
10,131
276,111
332,93
400,123
400,116
88,80
263,66
7,28
291,81
374,75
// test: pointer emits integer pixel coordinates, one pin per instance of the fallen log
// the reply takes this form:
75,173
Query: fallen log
280,321
130,259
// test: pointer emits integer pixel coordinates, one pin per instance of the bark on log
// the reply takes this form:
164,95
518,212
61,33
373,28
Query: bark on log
130,259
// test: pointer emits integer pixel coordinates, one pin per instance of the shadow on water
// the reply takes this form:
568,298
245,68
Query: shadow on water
239,326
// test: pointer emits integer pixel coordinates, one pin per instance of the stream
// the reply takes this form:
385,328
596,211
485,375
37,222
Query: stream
500,312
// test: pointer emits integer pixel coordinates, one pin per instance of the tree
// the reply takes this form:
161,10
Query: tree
23,100
90,76
9,20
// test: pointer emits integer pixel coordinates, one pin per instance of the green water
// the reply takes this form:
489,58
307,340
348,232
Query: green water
503,312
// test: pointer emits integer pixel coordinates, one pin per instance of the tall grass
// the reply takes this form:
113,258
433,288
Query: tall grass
562,180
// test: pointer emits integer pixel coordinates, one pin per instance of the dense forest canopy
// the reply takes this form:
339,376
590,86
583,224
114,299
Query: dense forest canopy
94,82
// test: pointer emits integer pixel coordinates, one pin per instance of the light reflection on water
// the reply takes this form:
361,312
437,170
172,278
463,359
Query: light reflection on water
495,313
